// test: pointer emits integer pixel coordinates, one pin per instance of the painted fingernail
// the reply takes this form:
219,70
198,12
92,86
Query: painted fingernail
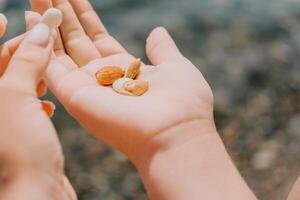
48,107
39,35
41,89
3,17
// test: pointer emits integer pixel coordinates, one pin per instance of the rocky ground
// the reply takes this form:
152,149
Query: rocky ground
249,51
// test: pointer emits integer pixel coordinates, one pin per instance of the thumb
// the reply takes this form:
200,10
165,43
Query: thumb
29,62
161,47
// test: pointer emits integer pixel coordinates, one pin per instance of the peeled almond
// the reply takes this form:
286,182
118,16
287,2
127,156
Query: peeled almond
118,86
136,87
52,18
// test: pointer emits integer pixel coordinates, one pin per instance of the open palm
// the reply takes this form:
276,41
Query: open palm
178,92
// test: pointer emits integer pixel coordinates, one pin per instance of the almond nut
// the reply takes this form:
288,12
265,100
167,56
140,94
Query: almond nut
136,87
118,86
53,18
134,69
108,75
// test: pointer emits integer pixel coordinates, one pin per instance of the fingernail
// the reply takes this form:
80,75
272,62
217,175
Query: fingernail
27,12
30,12
3,17
39,35
48,107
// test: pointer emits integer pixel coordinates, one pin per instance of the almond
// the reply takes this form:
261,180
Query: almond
109,74
53,18
136,87
134,69
118,86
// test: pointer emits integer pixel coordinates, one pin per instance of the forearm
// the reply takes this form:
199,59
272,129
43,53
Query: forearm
31,161
198,168
34,186
26,177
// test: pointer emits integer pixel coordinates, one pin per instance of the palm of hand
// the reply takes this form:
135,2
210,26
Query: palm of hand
173,98
178,92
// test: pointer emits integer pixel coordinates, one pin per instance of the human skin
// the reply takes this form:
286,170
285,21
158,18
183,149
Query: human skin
168,133
295,191
31,160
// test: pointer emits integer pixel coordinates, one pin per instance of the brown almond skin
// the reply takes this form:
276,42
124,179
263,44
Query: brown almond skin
108,75
137,87
134,69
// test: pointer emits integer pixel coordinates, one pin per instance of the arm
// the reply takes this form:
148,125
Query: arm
31,160
193,165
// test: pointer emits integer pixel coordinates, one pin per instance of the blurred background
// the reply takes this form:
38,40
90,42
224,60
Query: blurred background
248,50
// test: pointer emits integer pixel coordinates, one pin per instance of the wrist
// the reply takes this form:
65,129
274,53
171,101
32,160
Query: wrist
188,156
22,174
172,138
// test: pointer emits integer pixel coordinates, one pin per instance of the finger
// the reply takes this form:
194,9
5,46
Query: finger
30,60
41,6
64,84
55,74
119,60
78,45
3,23
31,19
94,28
7,50
69,189
161,47
49,107
57,70
59,48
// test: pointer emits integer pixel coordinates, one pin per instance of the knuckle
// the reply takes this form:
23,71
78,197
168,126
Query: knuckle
30,59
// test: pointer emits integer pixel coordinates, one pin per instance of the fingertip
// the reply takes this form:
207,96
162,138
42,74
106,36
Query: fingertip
40,6
3,23
3,18
29,13
32,18
40,35
41,89
157,33
160,46
157,36
49,107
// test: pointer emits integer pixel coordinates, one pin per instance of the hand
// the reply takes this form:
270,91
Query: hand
31,160
169,132
178,92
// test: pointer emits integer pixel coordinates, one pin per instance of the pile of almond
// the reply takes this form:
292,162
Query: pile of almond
123,83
